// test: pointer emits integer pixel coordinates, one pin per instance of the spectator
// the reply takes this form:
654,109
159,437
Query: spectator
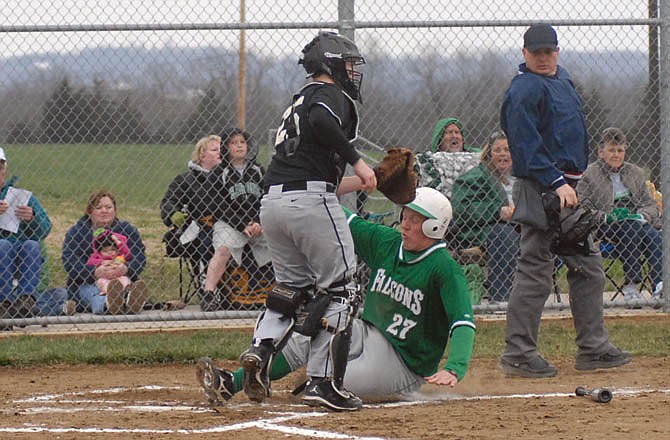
237,223
617,190
448,157
399,341
543,117
111,249
24,224
190,204
483,207
100,212
449,136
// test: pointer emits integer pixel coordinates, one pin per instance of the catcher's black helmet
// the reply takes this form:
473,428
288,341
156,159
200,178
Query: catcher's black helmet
329,52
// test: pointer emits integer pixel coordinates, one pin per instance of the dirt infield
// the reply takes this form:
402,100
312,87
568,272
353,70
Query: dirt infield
118,401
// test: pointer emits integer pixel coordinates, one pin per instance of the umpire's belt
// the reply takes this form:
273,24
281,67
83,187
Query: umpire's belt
302,185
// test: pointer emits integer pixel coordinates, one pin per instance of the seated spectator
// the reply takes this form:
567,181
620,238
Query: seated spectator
111,249
190,202
482,201
23,225
237,224
100,212
448,157
629,215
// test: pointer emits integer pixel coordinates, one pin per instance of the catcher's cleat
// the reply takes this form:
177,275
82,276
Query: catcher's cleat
255,363
216,382
321,392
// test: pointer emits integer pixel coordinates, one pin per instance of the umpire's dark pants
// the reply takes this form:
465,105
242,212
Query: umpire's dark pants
532,286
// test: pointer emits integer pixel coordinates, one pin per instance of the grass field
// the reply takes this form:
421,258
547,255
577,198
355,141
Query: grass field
643,335
62,177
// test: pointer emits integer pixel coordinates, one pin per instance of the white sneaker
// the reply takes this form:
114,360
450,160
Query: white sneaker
658,290
631,294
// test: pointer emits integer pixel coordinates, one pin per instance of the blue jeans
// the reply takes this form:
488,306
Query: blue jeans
502,248
89,297
20,260
50,302
632,240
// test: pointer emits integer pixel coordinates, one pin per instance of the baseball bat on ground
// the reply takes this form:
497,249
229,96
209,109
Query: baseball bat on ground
601,395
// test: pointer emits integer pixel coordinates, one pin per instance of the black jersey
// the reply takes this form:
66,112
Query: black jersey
313,141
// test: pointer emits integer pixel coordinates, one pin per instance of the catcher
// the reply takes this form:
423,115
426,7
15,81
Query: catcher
310,244
417,300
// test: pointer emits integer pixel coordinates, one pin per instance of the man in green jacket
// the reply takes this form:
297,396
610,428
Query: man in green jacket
448,156
25,224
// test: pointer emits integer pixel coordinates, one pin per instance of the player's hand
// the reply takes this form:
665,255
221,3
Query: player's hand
442,377
367,175
3,207
567,195
25,213
253,230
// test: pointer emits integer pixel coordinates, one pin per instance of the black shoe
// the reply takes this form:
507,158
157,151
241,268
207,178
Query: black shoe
322,392
536,367
255,362
609,359
216,382
23,307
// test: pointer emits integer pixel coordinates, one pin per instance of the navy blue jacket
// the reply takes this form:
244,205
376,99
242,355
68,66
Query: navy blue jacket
543,117
78,245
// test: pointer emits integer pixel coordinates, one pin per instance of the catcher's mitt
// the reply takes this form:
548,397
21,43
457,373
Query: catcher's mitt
395,175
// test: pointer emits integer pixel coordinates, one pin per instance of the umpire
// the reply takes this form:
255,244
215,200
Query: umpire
543,117
310,243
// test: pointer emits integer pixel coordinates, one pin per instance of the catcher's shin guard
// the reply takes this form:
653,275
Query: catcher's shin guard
339,353
256,363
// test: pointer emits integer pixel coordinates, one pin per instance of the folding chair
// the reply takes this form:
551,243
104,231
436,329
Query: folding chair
193,260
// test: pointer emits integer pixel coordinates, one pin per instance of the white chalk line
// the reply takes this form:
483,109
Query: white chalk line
272,424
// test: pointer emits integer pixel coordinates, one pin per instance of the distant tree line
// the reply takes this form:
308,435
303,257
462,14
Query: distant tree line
94,115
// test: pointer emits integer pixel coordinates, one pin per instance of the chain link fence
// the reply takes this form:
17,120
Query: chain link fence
115,96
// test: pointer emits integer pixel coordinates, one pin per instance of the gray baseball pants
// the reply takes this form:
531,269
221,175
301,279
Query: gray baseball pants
310,245
533,285
374,368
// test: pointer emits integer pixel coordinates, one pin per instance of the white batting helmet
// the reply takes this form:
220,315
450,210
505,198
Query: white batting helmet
436,207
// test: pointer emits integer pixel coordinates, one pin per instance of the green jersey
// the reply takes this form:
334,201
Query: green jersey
416,299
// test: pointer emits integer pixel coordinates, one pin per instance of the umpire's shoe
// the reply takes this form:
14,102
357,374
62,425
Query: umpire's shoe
255,363
216,382
321,392
535,368
610,359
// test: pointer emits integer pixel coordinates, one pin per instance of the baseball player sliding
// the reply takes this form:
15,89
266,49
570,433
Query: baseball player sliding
416,300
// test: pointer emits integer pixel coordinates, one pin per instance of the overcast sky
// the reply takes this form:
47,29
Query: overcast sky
41,12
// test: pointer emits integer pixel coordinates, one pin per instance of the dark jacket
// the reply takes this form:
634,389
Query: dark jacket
477,198
319,147
196,193
544,120
78,246
242,194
